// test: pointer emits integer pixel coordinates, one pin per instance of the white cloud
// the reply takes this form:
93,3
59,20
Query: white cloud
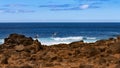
15,11
84,6
15,5
15,8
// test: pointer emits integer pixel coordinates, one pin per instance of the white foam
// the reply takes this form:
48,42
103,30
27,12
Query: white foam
90,41
54,43
1,41
61,40
68,38
91,38
65,40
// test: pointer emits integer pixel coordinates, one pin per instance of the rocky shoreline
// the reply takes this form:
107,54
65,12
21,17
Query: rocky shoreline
19,51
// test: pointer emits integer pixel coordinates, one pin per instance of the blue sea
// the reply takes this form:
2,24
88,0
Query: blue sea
56,33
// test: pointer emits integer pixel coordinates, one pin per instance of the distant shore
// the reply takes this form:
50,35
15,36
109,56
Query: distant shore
19,51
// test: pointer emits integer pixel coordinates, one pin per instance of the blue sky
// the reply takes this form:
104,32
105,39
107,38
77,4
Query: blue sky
60,11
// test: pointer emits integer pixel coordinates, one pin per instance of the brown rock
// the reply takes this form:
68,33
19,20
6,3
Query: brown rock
3,59
76,44
19,48
91,51
37,45
17,39
118,66
85,66
102,61
23,66
26,66
118,37
49,65
19,51
115,48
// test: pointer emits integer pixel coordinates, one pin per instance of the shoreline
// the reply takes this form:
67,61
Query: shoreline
62,40
19,51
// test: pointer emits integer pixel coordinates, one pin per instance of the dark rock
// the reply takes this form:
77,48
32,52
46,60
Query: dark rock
22,43
17,39
118,66
118,37
4,59
115,48
91,51
19,51
102,61
55,58
37,45
26,66
76,44
23,66
49,65
85,66
19,48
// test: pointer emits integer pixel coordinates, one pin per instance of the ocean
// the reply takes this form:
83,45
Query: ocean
56,33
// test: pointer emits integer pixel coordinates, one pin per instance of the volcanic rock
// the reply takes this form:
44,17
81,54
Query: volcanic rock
3,59
17,39
19,48
19,51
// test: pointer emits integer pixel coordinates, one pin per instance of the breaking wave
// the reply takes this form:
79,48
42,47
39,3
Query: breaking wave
62,40
65,40
68,38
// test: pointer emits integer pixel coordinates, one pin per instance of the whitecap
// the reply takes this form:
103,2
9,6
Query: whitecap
1,41
68,38
91,38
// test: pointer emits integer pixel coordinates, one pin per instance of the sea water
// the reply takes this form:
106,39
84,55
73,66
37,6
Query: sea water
56,33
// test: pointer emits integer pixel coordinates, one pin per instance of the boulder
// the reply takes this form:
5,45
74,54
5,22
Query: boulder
17,39
76,44
22,43
37,45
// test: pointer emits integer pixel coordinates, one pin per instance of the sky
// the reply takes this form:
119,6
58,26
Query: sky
59,10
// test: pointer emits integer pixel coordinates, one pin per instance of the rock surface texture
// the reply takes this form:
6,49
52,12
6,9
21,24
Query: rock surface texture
19,51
